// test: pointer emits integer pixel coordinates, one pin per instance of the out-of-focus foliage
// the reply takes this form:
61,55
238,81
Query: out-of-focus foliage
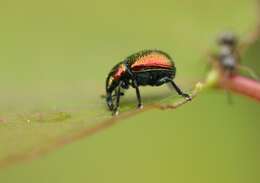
54,58
252,57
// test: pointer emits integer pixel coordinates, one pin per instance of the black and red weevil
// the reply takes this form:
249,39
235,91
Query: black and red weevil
147,67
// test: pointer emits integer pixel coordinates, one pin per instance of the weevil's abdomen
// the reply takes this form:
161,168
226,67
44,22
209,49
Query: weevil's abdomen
151,67
150,59
153,77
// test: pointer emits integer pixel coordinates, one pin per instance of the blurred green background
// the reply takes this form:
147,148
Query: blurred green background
54,58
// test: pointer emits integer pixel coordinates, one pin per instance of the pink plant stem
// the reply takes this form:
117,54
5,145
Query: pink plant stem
242,85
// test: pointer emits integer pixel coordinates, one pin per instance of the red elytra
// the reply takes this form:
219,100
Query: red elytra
153,61
151,64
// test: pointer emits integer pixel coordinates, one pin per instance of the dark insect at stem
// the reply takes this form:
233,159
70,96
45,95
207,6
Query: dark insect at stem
227,63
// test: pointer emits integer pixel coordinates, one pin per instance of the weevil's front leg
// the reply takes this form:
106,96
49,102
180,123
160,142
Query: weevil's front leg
179,91
140,105
118,94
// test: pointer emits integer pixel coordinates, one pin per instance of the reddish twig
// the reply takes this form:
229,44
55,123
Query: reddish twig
242,85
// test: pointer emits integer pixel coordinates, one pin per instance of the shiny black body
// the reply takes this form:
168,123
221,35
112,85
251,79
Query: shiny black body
153,77
144,76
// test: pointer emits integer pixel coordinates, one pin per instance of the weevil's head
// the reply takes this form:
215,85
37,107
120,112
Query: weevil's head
115,78
228,39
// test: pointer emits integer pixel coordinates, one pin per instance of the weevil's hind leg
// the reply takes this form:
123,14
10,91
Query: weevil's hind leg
179,91
167,80
140,105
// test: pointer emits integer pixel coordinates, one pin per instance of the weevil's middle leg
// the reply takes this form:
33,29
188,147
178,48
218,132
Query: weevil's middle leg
140,105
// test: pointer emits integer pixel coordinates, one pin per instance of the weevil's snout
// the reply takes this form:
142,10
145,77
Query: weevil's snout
110,101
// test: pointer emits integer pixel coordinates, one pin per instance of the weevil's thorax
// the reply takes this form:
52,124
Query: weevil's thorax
119,72
116,75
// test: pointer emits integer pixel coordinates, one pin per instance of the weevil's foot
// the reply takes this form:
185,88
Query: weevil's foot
110,105
115,113
140,106
187,96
